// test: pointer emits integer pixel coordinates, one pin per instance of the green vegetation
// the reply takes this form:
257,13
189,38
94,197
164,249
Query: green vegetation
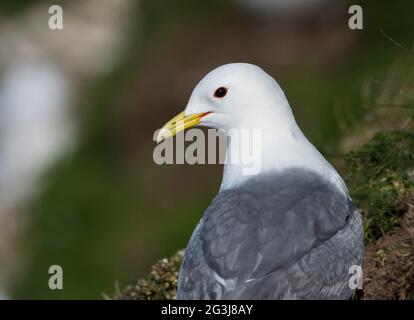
380,176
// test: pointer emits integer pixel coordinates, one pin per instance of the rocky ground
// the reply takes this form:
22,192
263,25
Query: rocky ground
389,262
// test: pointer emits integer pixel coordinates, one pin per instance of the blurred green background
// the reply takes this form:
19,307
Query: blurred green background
104,211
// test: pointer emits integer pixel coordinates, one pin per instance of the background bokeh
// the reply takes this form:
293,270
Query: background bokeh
79,106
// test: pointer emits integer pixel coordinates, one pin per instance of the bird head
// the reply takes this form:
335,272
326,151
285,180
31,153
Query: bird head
233,96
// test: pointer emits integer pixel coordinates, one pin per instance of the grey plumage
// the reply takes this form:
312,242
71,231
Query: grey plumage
291,235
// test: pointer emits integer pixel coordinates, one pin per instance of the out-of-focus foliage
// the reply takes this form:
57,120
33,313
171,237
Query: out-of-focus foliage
10,7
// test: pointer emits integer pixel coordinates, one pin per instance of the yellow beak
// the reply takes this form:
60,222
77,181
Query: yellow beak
179,123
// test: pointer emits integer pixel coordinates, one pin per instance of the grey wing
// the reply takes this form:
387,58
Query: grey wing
322,273
294,240
196,279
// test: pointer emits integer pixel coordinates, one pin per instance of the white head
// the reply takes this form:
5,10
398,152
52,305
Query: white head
243,96
240,96
235,96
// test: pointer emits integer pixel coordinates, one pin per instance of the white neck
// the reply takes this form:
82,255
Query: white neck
277,151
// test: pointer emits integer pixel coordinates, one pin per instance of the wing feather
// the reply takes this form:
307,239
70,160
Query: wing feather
292,236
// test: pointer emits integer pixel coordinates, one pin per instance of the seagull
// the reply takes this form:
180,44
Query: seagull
289,231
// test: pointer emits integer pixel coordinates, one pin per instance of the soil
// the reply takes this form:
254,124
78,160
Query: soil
389,262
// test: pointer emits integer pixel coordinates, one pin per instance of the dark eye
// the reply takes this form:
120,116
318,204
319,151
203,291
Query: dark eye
220,92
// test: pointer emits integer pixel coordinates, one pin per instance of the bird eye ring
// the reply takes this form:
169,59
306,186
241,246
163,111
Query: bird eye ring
220,92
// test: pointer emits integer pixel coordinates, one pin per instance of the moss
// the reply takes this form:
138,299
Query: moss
160,284
380,174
